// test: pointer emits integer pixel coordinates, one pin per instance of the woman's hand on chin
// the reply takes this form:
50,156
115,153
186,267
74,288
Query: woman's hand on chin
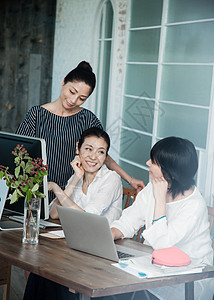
77,167
160,188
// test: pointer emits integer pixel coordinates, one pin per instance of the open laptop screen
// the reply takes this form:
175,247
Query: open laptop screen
36,148
3,195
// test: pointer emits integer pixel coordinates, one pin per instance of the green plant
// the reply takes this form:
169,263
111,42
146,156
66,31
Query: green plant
28,175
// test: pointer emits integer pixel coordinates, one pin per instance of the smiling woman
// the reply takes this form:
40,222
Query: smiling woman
76,87
92,188
73,94
62,122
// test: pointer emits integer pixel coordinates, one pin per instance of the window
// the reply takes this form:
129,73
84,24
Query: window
169,81
139,103
104,61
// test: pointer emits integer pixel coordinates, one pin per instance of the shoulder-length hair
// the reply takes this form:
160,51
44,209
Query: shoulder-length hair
178,160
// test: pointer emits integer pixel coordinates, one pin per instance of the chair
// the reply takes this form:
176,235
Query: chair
129,196
5,273
211,219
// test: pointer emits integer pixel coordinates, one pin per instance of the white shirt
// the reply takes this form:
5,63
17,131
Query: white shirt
104,194
185,226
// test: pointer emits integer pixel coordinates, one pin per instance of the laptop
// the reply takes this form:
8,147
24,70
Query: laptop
91,233
6,225
42,223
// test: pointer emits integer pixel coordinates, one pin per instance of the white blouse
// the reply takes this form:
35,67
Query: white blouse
185,226
104,194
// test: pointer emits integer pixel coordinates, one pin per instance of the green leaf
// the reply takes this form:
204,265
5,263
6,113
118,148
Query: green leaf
13,185
27,157
28,196
43,173
28,167
17,182
19,192
14,197
24,177
40,195
17,171
35,188
24,188
17,160
22,164
1,174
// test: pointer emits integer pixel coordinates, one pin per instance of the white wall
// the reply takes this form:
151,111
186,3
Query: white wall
76,33
73,37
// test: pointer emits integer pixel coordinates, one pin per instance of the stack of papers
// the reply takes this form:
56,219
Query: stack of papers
142,267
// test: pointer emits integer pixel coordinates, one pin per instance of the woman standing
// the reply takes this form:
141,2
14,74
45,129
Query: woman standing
62,122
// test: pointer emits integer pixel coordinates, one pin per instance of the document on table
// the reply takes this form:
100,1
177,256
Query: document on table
54,234
142,267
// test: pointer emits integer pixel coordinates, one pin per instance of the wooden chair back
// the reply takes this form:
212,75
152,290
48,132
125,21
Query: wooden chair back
129,196
5,273
211,219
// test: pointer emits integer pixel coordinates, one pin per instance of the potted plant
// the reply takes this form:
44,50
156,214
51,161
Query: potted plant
25,183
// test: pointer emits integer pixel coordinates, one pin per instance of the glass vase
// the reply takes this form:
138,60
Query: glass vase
31,221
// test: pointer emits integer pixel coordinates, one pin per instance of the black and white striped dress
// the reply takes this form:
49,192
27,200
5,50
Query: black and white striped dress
61,135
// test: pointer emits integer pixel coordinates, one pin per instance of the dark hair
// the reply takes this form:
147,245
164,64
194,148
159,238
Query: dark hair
94,131
177,158
84,73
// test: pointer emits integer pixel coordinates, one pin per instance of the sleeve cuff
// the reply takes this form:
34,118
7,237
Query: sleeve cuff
154,233
125,231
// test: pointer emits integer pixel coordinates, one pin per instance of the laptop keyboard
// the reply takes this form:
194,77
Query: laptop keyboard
123,255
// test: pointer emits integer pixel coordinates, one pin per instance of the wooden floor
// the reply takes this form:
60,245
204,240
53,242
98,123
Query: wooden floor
17,286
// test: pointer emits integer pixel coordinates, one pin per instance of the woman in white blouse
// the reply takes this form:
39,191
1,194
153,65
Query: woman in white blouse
173,211
93,187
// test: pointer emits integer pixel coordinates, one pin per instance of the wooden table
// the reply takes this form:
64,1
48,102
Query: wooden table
89,275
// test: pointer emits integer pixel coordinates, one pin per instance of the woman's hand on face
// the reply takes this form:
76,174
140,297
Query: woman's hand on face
77,167
160,188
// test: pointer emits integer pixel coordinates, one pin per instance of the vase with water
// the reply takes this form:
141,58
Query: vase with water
31,221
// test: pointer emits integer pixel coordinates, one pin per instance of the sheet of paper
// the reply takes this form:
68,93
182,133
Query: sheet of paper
54,234
142,267
59,233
